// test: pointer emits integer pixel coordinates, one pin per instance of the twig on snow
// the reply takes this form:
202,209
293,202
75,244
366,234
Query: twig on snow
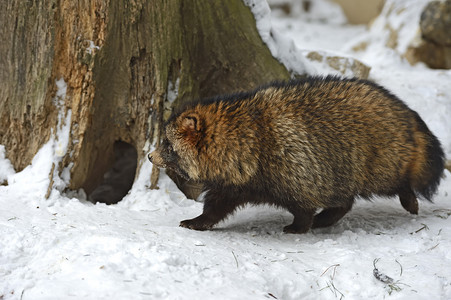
380,276
236,260
442,213
330,283
335,291
422,228
400,273
432,248
333,274
391,284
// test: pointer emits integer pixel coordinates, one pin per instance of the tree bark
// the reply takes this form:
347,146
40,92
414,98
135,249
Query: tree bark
126,65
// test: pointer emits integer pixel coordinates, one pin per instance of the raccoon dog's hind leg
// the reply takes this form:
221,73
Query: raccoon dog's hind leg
330,216
303,219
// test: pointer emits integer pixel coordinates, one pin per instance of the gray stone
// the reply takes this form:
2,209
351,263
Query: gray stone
345,65
435,23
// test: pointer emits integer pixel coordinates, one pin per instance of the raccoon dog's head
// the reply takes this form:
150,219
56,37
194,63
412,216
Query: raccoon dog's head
208,143
178,150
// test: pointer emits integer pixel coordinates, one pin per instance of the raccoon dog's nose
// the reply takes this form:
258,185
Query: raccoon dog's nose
149,156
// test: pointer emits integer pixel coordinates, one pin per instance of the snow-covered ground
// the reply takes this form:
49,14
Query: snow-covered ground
67,248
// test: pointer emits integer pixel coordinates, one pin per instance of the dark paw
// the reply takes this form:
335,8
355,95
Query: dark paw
294,228
409,201
198,223
411,205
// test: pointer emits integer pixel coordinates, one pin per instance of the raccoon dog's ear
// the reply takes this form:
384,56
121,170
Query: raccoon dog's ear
190,127
191,123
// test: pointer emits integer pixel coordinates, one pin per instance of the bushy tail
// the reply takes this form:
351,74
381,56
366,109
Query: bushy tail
426,181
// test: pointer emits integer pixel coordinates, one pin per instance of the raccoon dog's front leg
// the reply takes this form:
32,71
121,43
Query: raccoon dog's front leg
218,204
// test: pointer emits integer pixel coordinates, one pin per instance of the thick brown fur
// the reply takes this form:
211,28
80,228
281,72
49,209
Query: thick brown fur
309,144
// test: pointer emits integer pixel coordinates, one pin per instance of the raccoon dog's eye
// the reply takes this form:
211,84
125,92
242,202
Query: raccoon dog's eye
170,149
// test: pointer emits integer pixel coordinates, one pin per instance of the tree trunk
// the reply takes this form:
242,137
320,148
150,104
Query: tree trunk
125,64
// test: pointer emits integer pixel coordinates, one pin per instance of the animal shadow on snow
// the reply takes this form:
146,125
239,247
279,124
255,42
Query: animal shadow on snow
368,217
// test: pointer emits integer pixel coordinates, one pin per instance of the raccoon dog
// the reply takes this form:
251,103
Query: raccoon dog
304,145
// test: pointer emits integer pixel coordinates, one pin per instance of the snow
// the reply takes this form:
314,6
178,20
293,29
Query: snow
173,90
6,167
92,47
281,46
64,247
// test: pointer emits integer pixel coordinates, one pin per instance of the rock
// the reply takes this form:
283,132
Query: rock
433,55
347,66
435,23
434,47
448,165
